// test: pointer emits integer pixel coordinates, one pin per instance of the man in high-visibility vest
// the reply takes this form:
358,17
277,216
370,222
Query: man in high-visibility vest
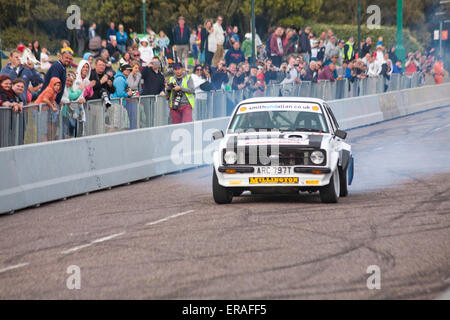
349,50
181,95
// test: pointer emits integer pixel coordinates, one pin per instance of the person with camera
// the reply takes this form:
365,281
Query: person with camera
219,75
270,71
154,84
202,85
180,91
102,86
291,70
411,64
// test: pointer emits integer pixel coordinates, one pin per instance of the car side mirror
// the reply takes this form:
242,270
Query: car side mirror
218,135
340,134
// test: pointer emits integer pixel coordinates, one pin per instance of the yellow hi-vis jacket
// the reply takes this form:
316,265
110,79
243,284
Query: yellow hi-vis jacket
349,51
190,96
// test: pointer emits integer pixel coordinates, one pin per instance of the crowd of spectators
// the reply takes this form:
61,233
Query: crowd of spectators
122,65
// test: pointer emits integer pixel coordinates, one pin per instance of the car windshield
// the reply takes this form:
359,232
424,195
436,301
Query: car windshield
278,120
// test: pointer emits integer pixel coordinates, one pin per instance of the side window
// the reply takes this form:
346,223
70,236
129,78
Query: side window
330,118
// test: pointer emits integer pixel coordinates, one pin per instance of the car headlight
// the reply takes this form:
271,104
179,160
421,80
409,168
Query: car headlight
317,157
230,157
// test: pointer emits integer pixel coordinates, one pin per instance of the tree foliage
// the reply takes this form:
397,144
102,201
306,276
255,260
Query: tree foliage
48,17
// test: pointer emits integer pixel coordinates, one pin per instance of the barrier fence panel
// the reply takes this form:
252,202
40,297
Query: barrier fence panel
5,126
305,89
277,90
73,120
287,90
323,88
30,133
147,118
94,117
219,104
161,111
379,85
340,89
333,86
49,123
394,82
314,89
406,82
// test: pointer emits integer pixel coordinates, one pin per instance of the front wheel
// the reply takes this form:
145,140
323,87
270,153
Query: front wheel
221,194
330,192
343,182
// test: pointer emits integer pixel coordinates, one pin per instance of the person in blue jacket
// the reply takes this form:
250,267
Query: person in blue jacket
123,91
15,69
122,39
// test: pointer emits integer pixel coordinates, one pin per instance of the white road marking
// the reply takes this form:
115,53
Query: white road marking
14,267
93,242
169,217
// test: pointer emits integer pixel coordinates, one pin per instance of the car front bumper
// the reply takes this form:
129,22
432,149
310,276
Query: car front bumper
245,177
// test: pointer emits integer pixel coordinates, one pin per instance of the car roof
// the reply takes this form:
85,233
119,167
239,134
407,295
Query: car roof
286,99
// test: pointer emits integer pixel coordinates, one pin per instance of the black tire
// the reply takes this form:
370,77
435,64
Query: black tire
328,193
343,181
221,194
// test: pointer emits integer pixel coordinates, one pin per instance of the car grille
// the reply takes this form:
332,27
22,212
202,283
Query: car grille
267,155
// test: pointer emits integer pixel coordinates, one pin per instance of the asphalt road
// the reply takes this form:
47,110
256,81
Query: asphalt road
167,239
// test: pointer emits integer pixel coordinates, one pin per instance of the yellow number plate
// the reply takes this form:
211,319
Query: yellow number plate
273,180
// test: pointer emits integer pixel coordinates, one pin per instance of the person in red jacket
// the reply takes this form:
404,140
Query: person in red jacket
48,97
276,47
327,72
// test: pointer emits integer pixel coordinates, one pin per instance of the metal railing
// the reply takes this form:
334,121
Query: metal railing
38,123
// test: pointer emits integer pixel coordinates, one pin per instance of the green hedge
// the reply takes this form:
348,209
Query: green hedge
389,34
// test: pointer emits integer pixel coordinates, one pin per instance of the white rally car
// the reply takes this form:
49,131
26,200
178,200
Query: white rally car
280,144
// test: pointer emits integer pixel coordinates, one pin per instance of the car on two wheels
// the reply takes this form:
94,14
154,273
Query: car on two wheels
282,145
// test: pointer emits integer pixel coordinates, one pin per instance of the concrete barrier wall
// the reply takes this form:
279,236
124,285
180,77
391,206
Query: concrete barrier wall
365,110
39,173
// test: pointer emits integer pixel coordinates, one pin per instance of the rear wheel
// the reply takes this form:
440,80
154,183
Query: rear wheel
330,193
221,194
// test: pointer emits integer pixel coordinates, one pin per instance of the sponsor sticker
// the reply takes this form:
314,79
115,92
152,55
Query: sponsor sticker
306,107
273,180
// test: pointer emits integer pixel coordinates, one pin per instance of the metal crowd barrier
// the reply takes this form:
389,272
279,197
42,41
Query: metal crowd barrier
38,123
